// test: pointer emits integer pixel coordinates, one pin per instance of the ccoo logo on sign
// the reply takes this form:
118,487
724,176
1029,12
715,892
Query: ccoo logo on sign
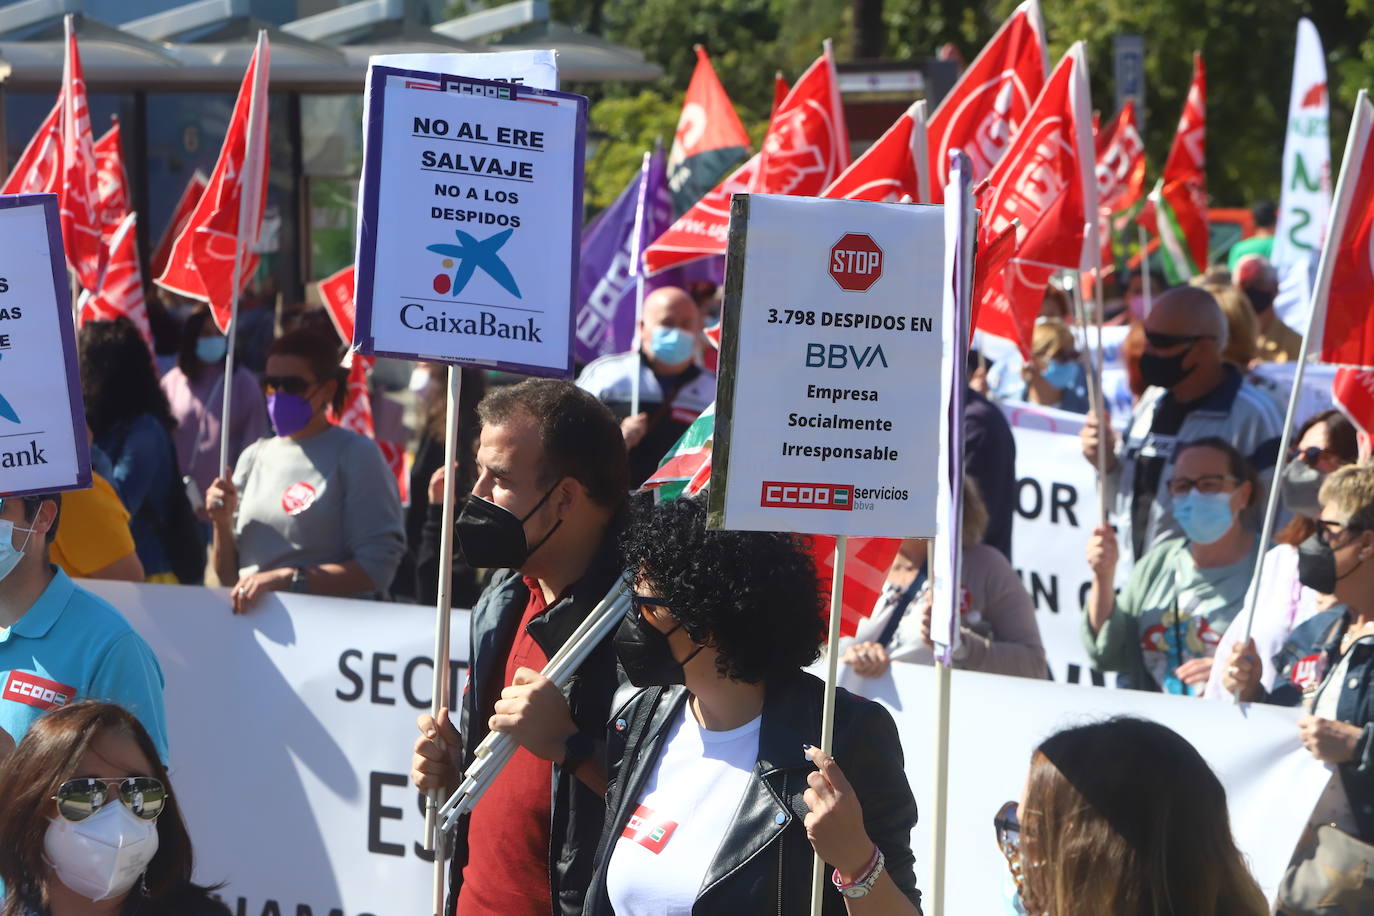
856,262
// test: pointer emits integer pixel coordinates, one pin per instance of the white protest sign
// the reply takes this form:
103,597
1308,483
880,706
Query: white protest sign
43,446
291,731
828,399
536,69
470,222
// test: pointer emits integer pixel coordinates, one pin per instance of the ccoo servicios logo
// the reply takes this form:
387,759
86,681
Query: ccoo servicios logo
779,494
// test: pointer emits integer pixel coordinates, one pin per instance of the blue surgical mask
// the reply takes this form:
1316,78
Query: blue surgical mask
1060,374
211,349
9,554
671,346
1204,517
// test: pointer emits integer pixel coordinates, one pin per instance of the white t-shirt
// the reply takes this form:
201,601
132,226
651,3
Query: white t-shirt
662,855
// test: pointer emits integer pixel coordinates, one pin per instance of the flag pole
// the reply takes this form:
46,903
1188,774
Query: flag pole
1100,316
1345,190
832,663
637,271
434,836
248,197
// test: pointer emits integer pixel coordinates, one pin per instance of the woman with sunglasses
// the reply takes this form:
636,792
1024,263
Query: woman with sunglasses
313,509
1124,817
90,825
718,799
1161,631
1325,443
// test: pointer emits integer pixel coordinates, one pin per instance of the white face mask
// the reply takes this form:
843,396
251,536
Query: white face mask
104,855
9,554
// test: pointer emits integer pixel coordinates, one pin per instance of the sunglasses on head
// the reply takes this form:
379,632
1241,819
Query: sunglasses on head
1161,341
289,384
78,799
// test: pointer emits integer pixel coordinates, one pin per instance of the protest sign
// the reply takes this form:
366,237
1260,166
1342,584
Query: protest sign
535,69
317,698
830,368
470,222
43,446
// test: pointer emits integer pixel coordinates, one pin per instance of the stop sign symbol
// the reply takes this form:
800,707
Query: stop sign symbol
856,262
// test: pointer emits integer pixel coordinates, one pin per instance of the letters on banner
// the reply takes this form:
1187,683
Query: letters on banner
317,698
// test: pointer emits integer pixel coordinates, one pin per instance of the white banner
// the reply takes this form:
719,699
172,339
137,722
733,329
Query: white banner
43,446
830,368
1306,194
291,730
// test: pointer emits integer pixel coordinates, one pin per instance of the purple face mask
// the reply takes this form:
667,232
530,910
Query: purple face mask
289,413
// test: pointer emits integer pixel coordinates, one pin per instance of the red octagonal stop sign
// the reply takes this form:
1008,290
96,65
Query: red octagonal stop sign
856,262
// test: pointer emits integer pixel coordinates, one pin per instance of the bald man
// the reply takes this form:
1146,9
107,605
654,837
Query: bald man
1192,393
673,388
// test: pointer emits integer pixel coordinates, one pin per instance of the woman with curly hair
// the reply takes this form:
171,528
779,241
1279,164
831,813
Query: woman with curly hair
720,796
129,417
90,824
1124,817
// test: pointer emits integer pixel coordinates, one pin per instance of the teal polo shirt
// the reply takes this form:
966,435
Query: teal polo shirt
71,645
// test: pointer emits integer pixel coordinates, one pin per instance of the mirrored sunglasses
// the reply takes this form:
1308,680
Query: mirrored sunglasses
78,799
1008,827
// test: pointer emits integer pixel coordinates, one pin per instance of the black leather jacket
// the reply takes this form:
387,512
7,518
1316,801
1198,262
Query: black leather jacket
763,864
578,812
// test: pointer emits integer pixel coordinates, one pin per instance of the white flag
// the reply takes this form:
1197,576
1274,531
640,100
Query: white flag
1306,195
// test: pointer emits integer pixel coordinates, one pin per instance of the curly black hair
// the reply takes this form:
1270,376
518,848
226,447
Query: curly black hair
753,595
118,379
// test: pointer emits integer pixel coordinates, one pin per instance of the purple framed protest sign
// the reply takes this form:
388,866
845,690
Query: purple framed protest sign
43,445
470,222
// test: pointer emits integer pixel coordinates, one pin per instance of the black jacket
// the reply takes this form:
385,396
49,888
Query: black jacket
763,865
578,812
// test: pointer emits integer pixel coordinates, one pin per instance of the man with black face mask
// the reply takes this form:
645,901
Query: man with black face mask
545,512
1192,394
1257,278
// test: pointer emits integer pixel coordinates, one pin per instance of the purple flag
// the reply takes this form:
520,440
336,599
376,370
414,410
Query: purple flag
606,288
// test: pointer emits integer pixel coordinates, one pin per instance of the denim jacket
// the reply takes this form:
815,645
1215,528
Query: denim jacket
1311,651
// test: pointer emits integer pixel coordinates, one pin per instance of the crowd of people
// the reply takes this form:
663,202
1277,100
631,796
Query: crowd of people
681,770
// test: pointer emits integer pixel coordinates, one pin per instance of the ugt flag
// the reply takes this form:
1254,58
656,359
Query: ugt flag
1306,196
1047,181
40,165
1120,172
987,106
710,140
78,196
606,282
112,182
120,291
1180,197
336,291
894,168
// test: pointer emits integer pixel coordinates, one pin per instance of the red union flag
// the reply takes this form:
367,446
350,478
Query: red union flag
709,139
336,291
40,164
78,196
865,569
987,106
1180,197
1046,181
1343,301
1121,163
181,215
701,231
1353,392
121,284
225,223
112,183
807,145
894,168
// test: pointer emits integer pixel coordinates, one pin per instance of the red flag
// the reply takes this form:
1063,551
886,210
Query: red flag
1343,301
336,291
807,145
709,140
994,251
78,196
1046,180
181,215
1120,172
40,164
224,226
1181,196
866,561
893,168
780,90
112,183
987,106
806,148
121,285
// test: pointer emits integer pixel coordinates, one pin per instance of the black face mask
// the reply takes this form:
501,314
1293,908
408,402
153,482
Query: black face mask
494,538
1163,371
645,654
1299,487
1317,566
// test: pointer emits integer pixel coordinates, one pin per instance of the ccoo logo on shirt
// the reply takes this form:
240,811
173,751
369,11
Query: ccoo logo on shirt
32,690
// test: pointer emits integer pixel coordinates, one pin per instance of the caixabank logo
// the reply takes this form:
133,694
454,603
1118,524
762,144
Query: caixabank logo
781,494
467,256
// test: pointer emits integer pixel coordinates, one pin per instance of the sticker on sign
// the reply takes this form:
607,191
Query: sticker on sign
787,495
856,262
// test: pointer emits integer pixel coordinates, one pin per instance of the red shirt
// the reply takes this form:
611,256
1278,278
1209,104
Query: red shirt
507,873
